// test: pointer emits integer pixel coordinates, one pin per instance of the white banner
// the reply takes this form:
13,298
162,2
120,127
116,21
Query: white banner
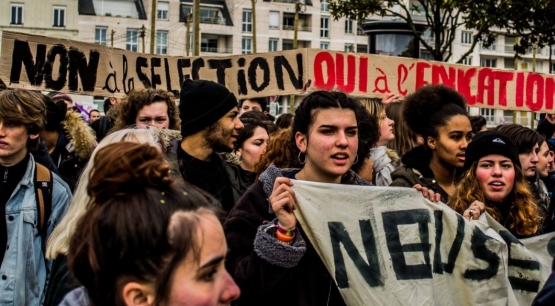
390,246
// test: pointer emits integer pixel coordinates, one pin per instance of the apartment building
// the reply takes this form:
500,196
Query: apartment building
500,55
55,18
226,27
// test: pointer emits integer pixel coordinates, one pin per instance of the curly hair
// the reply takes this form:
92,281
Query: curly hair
278,153
431,107
524,214
129,108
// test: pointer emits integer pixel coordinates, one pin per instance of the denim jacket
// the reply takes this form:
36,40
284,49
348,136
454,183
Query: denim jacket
24,271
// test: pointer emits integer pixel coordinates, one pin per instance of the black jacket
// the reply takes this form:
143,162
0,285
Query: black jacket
224,181
73,149
416,170
268,272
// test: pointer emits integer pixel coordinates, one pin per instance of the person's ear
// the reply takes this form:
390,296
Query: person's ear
136,294
301,141
431,143
239,152
33,136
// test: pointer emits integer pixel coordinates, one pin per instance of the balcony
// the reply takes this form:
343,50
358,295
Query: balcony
301,28
284,1
216,50
213,20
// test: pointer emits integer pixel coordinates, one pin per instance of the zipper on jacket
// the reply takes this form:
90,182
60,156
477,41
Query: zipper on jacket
5,176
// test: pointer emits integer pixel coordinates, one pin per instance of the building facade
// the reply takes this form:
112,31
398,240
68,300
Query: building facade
54,18
226,27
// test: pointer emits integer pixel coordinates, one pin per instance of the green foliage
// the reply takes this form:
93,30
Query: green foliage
532,21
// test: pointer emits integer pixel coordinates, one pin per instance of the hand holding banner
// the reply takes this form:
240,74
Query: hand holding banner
390,246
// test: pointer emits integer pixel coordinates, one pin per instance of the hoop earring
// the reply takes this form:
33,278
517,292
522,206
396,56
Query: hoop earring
356,159
299,157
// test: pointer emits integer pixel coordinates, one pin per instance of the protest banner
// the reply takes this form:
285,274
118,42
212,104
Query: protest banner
390,246
45,63
37,62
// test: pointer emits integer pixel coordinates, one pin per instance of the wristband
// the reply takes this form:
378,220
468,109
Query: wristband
282,238
289,233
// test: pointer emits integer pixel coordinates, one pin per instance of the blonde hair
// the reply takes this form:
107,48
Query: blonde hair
58,243
524,215
376,108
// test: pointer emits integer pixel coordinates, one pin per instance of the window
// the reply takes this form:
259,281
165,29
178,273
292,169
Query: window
100,35
488,62
132,40
509,63
552,68
417,9
466,38
59,17
246,45
348,26
287,45
161,42
209,44
162,9
349,48
16,14
467,61
492,47
489,114
247,21
362,48
425,55
324,27
324,46
324,6
272,44
288,22
274,20
211,16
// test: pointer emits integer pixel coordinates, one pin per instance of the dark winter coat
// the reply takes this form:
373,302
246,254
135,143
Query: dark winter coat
74,148
61,282
195,172
267,271
416,170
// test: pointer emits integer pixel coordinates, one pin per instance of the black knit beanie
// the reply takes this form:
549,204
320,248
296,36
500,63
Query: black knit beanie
489,142
202,103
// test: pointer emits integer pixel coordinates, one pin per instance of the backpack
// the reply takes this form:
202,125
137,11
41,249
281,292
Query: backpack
43,196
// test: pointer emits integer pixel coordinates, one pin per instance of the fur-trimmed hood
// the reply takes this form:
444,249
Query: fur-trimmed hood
232,159
80,134
168,137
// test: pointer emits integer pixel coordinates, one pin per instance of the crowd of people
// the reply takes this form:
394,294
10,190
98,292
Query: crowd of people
191,203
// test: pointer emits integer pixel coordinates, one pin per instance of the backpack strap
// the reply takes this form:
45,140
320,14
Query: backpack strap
43,195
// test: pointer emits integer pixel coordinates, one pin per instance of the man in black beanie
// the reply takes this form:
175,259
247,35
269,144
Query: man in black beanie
210,125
